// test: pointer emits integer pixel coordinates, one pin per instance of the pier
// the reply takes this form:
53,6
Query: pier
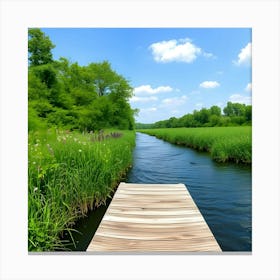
153,218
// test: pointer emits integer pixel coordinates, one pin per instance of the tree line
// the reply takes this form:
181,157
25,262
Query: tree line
65,94
234,114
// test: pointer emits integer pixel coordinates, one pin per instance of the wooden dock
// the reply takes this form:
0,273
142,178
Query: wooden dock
153,218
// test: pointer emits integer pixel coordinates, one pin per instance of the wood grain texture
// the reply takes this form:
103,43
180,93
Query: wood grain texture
153,218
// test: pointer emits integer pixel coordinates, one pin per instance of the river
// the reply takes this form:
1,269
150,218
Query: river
222,192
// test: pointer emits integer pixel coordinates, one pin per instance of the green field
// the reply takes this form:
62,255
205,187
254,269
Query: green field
70,173
223,143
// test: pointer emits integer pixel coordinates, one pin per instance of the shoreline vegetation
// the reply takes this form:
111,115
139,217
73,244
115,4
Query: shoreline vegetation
69,174
225,144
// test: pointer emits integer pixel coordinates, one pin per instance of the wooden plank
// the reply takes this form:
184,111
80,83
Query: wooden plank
153,218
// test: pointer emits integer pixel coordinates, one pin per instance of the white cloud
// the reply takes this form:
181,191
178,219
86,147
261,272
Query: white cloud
249,87
245,55
147,89
208,55
182,50
237,98
209,84
174,101
143,99
152,109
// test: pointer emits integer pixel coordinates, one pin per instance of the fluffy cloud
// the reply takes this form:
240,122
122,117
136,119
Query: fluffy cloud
182,50
147,89
237,98
135,99
174,101
249,87
209,84
152,109
245,55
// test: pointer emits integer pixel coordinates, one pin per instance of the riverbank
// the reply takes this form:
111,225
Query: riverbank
225,144
70,173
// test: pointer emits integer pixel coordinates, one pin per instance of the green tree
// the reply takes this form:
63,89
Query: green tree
248,113
66,94
215,110
234,109
189,121
103,77
39,47
202,116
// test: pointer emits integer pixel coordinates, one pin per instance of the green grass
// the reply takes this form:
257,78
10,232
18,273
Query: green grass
223,143
69,174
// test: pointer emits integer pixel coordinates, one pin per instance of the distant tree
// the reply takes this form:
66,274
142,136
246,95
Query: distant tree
235,114
215,110
248,113
39,47
234,109
202,116
188,121
228,110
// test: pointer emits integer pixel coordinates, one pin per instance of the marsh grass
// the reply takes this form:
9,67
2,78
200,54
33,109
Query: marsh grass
68,175
223,143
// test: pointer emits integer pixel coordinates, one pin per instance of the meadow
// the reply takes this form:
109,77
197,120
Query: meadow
70,173
225,144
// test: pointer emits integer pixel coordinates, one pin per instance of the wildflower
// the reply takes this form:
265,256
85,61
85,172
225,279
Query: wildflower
80,150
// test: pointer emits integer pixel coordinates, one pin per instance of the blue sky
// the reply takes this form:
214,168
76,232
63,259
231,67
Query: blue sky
173,70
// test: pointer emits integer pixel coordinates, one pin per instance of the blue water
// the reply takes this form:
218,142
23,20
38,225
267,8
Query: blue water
223,192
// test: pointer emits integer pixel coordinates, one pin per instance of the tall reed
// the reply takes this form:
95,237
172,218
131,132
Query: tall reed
70,173
223,143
